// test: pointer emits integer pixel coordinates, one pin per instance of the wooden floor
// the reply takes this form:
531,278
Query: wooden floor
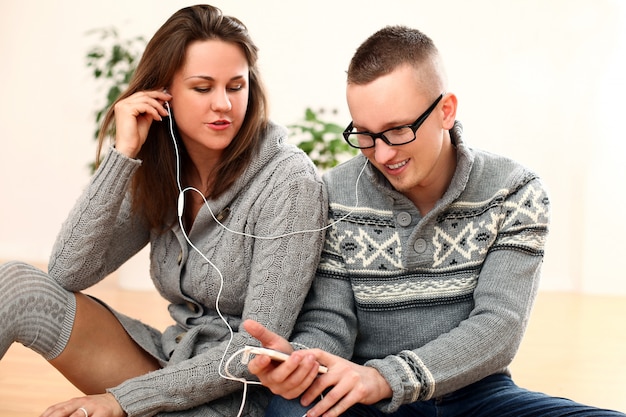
575,347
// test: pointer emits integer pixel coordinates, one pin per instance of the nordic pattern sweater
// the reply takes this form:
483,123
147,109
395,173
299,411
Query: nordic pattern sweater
434,303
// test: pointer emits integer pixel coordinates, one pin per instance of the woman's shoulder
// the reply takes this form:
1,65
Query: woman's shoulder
284,156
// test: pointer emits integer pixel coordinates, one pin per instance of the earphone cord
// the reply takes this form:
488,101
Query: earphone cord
183,191
181,201
181,204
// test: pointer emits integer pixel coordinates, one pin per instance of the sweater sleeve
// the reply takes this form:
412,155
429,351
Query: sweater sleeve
279,274
328,319
99,233
485,342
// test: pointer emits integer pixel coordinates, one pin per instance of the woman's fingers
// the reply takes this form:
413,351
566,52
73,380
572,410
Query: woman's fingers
134,116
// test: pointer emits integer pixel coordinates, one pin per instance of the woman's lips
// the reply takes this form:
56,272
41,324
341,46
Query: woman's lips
220,124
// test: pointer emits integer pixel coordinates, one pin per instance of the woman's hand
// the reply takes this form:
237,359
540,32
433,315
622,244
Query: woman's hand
101,405
133,117
288,379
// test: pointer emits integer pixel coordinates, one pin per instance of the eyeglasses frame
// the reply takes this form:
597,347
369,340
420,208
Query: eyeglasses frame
381,135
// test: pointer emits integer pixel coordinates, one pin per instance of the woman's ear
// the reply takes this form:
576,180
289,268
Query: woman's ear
449,110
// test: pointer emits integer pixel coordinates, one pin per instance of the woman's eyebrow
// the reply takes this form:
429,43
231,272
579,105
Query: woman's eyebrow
209,78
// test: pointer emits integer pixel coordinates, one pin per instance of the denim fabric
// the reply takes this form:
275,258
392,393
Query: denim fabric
494,396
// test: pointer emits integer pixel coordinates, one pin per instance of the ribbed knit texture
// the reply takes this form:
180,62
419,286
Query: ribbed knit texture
433,303
35,311
265,280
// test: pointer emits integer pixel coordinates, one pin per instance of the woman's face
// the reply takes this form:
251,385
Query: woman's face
210,97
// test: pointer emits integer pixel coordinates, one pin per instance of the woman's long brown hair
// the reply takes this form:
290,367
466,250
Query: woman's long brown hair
154,188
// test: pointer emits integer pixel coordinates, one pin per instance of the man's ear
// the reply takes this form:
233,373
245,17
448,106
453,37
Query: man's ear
449,110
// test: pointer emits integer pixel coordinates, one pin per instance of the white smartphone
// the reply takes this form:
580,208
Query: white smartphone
273,354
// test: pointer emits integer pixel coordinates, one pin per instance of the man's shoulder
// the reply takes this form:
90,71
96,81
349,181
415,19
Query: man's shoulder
346,172
492,172
486,166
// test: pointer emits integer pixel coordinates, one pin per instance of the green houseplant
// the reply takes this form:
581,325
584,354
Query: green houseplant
320,139
113,61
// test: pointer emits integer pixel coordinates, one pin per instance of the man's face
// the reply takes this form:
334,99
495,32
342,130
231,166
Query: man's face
394,100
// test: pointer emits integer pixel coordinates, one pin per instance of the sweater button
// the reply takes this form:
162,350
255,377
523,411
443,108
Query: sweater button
179,337
403,219
420,246
222,215
180,257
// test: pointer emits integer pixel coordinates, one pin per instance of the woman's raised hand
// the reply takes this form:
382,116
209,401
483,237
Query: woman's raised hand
133,117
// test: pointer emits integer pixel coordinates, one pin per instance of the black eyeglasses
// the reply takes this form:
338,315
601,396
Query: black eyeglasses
394,136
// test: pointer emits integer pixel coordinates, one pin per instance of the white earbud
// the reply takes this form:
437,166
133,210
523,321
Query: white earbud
181,203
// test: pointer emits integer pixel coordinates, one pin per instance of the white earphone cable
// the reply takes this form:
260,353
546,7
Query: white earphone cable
180,207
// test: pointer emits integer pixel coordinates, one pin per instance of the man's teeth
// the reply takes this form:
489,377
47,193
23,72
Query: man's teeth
398,165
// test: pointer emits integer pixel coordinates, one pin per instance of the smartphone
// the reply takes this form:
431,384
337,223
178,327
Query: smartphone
273,354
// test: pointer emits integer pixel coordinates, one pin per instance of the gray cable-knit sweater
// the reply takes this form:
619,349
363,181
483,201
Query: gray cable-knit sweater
265,280
433,303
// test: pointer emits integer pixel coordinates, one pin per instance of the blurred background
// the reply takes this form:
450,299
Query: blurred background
540,82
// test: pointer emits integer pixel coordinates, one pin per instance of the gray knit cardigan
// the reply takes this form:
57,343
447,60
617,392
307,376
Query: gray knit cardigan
434,303
264,279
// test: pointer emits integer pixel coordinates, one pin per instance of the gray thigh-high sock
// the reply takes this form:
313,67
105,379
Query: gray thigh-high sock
34,310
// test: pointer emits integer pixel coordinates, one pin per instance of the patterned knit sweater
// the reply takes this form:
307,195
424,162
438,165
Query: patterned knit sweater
434,303
264,279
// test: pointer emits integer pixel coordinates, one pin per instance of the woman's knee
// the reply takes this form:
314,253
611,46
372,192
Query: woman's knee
34,309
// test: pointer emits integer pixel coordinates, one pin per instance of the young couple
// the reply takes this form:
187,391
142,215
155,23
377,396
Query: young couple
414,292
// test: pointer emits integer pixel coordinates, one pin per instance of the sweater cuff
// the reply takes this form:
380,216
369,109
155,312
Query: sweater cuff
404,383
137,399
298,346
114,171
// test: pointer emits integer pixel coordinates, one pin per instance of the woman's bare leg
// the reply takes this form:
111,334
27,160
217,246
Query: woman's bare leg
99,353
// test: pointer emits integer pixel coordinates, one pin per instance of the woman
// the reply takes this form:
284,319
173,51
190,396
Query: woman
257,262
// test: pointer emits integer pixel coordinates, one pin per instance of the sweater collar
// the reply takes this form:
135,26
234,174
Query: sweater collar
274,138
465,161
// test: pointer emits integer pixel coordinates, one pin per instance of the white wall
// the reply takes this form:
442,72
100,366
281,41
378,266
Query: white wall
539,81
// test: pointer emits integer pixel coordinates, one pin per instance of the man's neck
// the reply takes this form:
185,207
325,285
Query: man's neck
426,197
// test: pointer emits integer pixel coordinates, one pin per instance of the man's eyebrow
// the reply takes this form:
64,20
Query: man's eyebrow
389,125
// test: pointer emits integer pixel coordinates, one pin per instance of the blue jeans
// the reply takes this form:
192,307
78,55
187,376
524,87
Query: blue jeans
494,396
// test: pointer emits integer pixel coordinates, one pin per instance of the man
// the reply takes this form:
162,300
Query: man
429,272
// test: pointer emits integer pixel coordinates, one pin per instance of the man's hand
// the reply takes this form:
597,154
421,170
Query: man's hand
349,383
